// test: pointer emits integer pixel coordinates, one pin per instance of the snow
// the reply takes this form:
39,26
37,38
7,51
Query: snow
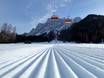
52,60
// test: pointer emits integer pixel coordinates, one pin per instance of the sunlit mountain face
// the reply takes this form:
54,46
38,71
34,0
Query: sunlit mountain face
26,14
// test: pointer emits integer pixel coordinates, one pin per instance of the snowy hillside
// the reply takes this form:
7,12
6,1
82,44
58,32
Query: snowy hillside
51,60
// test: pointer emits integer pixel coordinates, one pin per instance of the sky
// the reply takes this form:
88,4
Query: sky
26,14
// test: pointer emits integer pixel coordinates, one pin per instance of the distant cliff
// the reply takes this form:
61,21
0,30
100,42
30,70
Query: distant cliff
53,23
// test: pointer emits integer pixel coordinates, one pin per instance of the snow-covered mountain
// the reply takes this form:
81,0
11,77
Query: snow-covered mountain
53,23
77,19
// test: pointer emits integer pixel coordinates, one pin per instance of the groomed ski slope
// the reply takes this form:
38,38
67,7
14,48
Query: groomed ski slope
51,60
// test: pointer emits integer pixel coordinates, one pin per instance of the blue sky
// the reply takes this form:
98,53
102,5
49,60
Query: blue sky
26,14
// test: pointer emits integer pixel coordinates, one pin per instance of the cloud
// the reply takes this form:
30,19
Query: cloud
58,4
63,3
50,11
42,19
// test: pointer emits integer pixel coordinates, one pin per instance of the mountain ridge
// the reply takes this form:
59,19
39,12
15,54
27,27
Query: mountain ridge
52,24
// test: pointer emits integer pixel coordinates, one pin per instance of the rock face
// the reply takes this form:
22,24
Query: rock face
53,23
77,19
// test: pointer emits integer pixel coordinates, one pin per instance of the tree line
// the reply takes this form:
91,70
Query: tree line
7,33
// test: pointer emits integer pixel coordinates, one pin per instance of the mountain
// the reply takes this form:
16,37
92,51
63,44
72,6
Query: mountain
88,30
52,24
77,19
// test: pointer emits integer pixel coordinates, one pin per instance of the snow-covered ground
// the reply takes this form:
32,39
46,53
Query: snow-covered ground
51,60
